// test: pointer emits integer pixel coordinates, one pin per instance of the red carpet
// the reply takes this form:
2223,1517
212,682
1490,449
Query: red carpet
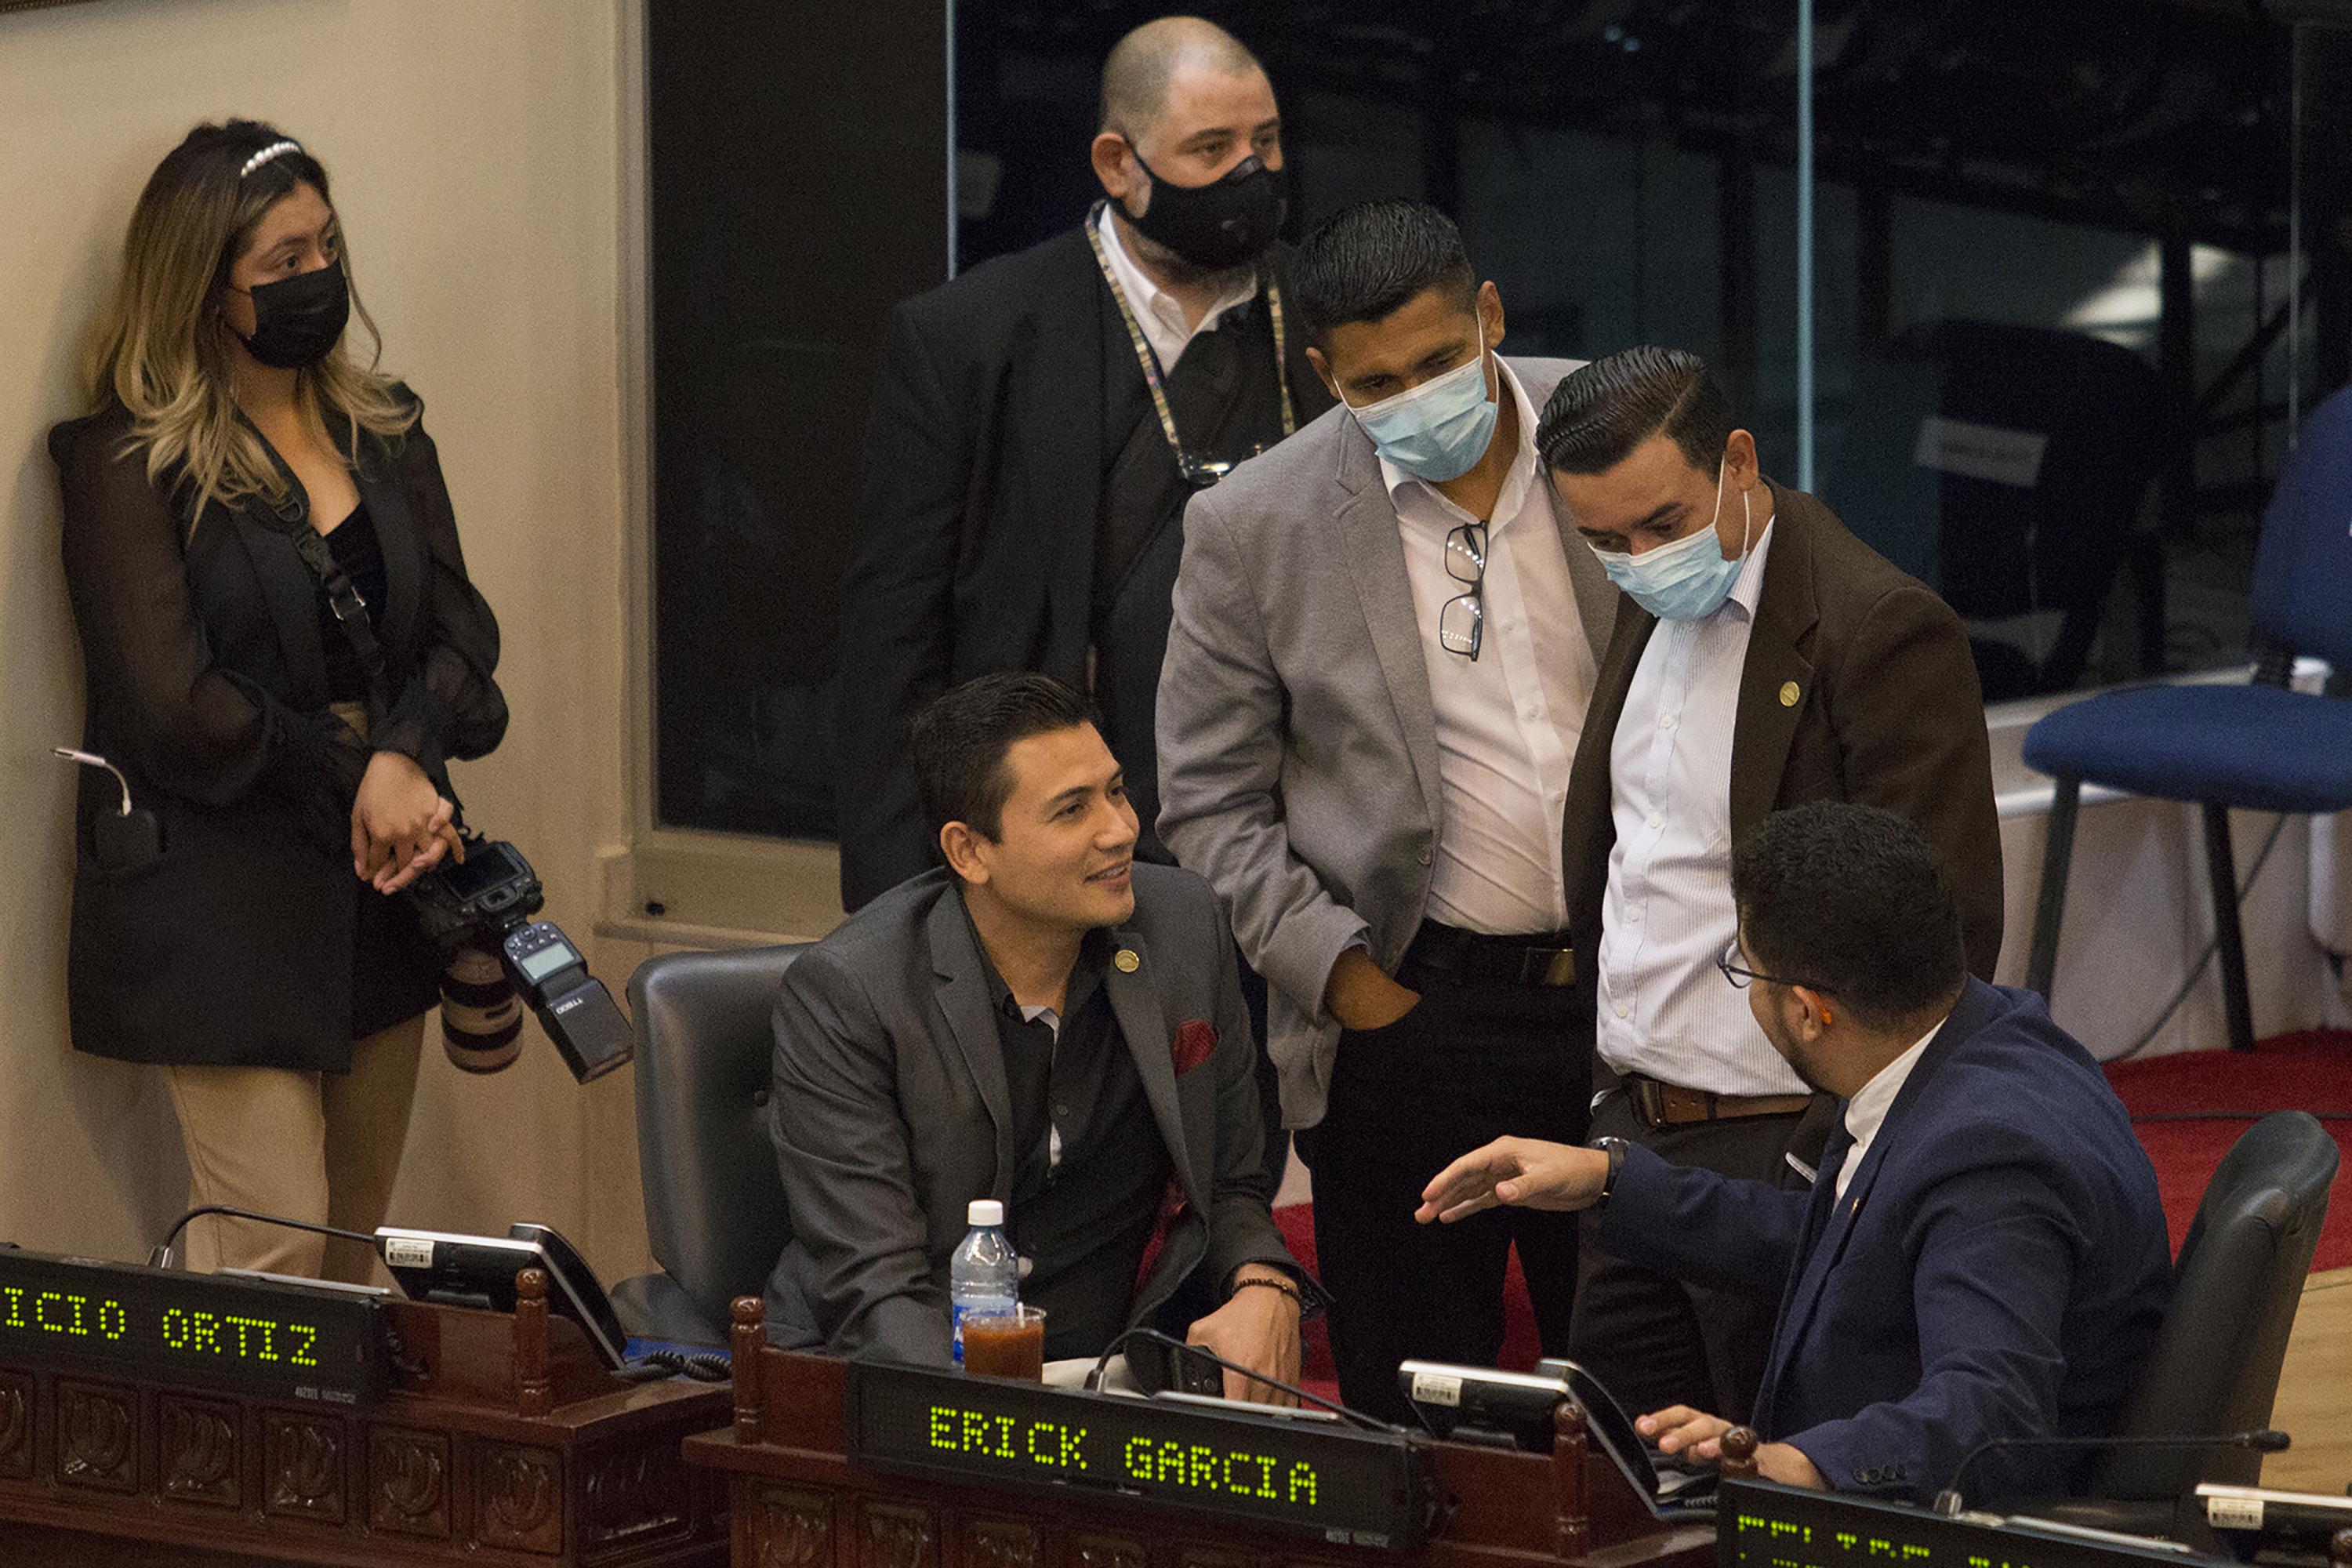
2309,1071
2174,1101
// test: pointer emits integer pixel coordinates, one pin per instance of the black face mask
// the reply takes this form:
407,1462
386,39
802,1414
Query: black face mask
297,320
1222,223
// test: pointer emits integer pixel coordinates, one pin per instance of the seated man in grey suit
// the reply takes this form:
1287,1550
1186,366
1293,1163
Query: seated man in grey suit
1385,636
1045,1022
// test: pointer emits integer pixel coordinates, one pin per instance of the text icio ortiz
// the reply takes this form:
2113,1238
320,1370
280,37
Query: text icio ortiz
182,1330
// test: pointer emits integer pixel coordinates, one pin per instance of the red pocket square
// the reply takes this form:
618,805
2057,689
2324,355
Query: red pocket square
1195,1043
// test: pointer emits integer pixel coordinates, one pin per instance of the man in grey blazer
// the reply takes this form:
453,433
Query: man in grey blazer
1044,1022
1384,640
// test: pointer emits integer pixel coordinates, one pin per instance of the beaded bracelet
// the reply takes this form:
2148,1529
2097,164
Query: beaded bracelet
1284,1286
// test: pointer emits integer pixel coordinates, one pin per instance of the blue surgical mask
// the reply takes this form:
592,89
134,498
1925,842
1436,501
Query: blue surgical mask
1440,429
1688,579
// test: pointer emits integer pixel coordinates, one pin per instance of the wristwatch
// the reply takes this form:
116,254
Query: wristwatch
1615,1149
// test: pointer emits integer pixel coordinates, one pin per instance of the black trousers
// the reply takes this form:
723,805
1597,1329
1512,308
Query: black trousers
1470,1063
1277,1153
1655,1341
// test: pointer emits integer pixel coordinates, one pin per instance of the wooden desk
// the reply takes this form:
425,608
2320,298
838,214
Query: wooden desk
504,1444
797,1501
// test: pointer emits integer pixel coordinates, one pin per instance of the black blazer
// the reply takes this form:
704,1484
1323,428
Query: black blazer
1858,687
976,522
206,685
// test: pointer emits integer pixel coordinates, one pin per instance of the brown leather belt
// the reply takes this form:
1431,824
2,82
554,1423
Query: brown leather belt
1662,1104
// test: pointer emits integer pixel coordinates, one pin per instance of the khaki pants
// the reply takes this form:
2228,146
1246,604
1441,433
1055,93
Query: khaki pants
321,1147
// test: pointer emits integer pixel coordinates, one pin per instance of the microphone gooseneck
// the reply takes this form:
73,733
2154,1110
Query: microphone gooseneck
2263,1440
160,1256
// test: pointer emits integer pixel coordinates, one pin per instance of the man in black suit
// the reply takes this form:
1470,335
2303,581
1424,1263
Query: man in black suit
1040,422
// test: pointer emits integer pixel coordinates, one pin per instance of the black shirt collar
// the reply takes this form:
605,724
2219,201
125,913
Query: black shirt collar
1085,975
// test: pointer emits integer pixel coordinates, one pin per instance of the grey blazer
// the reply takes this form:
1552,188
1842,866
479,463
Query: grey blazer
891,1112
1298,739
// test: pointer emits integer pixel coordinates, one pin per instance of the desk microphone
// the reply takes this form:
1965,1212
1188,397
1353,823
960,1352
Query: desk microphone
2263,1440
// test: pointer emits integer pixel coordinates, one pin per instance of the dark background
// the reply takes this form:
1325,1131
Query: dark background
2056,177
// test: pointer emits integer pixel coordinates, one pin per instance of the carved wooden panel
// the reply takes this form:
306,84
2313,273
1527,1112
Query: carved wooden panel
200,1450
302,1467
1000,1544
1193,1555
897,1536
1110,1551
15,1428
408,1482
523,1499
98,1430
791,1529
635,1494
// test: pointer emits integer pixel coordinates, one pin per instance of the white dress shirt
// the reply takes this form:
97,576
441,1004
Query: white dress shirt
1866,1113
1666,914
1508,722
1160,313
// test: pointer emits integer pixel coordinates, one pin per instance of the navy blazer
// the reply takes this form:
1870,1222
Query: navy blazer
1998,1266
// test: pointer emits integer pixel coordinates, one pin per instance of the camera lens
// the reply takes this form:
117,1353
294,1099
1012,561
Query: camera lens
481,1015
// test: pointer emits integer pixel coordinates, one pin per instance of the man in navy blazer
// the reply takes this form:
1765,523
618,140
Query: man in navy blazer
1981,1255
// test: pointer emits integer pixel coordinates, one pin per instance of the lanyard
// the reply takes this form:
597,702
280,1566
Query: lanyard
1199,472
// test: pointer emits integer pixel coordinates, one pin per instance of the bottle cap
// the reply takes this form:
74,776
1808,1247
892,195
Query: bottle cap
984,1211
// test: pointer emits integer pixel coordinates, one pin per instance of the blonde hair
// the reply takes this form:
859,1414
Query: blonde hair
162,346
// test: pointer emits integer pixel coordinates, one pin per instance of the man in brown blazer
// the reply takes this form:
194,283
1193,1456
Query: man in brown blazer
1762,657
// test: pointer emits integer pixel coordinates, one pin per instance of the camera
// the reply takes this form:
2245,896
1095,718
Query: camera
484,905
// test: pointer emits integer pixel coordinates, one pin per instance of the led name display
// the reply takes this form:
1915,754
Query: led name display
1760,1525
1337,1483
167,1327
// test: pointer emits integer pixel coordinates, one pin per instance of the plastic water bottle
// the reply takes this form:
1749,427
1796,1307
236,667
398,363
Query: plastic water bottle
984,1275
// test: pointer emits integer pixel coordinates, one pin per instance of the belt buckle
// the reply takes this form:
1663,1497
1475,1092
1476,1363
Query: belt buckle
1648,1102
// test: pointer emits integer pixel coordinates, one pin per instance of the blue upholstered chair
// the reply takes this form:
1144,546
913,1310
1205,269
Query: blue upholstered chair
2260,747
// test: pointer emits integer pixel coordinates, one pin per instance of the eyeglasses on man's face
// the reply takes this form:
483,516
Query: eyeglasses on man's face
1462,622
1733,964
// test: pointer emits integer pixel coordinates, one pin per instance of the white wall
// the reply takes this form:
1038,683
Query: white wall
476,151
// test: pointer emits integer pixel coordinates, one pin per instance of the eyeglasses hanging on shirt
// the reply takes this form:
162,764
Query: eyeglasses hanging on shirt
1198,471
1462,621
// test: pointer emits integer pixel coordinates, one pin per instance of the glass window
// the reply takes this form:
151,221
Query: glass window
2054,368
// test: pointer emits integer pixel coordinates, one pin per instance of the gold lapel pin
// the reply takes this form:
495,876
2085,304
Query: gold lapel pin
1126,960
1789,694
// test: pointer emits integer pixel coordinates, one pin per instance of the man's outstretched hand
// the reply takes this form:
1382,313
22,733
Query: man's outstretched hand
1526,1171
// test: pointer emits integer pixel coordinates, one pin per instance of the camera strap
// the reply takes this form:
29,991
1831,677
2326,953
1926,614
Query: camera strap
350,609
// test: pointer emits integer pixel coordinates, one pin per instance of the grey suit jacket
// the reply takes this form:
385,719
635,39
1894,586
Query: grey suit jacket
1297,738
891,1111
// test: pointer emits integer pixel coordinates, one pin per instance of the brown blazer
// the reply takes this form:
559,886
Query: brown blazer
1885,711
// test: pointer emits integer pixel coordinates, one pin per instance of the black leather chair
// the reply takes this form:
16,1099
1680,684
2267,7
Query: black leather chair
2047,531
2235,1288
714,1205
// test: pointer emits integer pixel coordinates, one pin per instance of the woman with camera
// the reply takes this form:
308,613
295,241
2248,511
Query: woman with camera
283,651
